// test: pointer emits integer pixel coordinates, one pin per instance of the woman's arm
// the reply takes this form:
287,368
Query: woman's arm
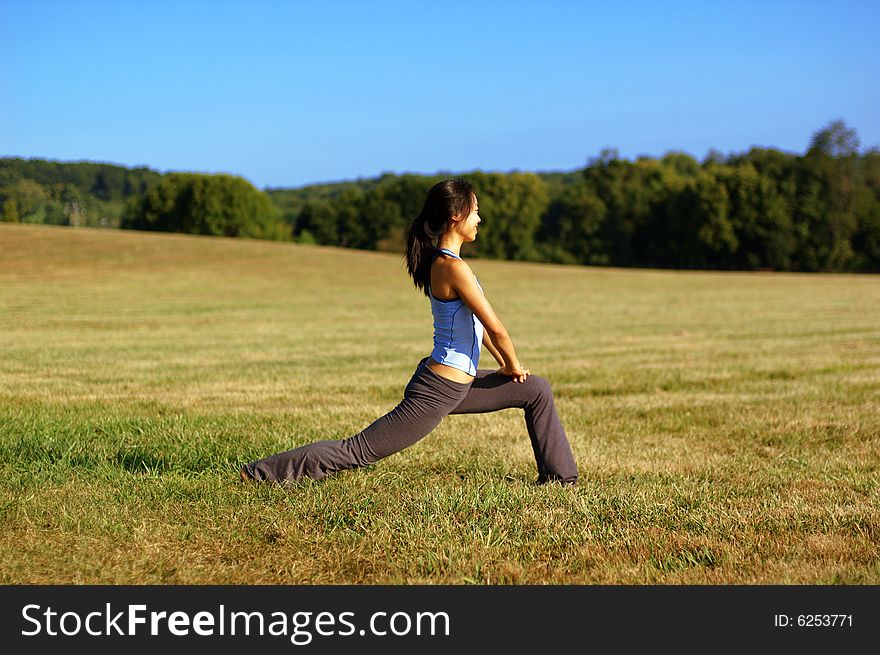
487,343
461,279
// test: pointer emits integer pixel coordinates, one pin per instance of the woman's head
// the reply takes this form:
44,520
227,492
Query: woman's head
445,201
449,204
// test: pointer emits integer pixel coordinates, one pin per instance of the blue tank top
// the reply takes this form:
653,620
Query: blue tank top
458,334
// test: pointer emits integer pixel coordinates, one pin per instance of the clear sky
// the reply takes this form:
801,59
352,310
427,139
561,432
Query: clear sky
290,93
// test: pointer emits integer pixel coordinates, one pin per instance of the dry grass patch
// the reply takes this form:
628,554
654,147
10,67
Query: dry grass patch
727,425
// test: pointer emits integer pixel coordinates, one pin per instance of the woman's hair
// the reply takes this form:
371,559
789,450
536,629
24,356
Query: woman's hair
444,200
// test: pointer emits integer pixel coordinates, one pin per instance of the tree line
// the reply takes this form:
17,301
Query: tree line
58,193
762,209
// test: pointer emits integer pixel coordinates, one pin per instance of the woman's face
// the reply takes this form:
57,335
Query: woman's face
467,227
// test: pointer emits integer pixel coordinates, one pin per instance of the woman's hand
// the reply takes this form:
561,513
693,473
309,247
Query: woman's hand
516,372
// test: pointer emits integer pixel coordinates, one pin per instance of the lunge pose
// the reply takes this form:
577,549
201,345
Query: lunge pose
448,381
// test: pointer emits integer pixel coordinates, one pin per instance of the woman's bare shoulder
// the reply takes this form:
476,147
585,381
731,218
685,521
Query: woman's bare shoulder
452,267
457,274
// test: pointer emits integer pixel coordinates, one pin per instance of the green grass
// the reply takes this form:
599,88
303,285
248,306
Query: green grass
726,425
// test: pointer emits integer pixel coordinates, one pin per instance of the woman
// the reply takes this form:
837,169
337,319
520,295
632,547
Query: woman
447,382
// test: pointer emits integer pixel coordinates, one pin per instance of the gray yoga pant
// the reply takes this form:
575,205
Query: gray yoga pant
428,398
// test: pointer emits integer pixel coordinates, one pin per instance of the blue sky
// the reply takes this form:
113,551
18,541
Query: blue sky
290,93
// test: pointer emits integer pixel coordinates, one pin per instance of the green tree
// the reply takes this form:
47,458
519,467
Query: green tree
829,180
866,240
511,207
221,205
682,163
571,231
27,199
10,211
835,140
392,205
317,219
630,192
761,219
698,230
358,219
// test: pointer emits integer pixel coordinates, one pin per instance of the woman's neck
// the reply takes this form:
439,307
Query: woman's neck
450,243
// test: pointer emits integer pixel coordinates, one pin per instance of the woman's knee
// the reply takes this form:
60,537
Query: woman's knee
540,387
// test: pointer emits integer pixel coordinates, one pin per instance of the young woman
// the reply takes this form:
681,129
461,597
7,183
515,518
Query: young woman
447,382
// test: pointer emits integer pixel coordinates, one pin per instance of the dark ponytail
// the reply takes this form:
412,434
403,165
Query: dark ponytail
444,200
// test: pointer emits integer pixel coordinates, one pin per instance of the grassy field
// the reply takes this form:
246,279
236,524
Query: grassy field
726,425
